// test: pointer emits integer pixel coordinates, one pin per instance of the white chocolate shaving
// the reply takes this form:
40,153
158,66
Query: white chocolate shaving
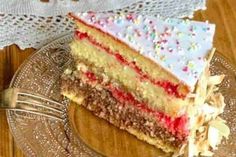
207,128
215,80
213,135
221,127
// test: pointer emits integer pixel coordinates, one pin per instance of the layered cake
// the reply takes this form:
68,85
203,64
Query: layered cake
149,76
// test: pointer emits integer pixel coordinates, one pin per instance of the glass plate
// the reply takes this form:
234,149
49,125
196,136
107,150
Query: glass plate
39,136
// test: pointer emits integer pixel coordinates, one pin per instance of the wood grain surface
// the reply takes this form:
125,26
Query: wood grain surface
220,12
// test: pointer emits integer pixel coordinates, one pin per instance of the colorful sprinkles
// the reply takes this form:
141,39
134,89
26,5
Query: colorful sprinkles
179,46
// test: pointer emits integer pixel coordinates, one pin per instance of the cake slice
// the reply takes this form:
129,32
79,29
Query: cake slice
148,76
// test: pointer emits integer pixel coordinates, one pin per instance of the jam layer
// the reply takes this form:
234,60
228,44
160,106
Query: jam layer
99,59
106,105
167,86
177,126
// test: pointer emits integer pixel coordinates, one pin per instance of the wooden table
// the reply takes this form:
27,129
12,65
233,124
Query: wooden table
220,12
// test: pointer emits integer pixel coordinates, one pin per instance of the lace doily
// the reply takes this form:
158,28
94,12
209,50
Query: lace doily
32,23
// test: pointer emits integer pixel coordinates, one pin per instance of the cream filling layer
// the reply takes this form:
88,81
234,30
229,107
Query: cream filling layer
149,67
156,97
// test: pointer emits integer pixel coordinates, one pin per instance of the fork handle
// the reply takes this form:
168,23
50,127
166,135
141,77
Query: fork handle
8,101
6,96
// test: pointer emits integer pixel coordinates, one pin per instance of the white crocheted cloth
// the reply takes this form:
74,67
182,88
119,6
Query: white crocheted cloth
32,23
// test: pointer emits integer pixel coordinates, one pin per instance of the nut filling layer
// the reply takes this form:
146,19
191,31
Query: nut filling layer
103,104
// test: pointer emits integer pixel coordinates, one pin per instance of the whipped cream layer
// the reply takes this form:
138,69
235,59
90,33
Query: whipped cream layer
179,46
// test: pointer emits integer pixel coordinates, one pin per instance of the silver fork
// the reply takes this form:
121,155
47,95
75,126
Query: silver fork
22,100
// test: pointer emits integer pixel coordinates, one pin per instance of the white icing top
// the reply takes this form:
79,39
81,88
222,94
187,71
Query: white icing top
179,46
